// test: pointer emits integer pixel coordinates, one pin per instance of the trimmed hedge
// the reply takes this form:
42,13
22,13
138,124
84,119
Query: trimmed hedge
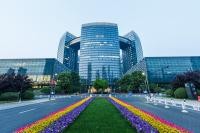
9,96
180,93
14,96
169,92
198,92
59,90
45,90
27,95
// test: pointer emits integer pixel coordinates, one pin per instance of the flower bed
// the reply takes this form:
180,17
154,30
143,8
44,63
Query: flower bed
135,121
67,119
58,120
145,121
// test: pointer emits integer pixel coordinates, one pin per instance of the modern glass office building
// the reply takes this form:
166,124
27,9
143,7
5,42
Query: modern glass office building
165,69
39,70
100,52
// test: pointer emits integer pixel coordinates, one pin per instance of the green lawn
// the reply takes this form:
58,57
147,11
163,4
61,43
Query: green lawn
100,117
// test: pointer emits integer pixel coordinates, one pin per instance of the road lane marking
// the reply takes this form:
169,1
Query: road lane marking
26,111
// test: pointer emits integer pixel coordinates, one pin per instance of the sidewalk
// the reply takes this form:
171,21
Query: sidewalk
56,96
189,101
22,103
39,99
169,98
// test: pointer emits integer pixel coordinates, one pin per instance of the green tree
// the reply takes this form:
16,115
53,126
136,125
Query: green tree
125,83
69,82
100,84
137,79
115,84
11,82
154,88
64,82
180,93
169,92
132,82
75,82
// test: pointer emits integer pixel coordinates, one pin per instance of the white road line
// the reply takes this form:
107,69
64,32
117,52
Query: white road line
26,111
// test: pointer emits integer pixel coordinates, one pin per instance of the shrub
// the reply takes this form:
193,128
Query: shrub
180,93
28,95
157,89
37,92
45,90
198,92
169,92
59,90
154,88
9,96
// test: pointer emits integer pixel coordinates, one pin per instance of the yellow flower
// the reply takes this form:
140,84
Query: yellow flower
40,125
154,122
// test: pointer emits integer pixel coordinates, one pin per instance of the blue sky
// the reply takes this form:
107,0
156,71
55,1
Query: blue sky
32,28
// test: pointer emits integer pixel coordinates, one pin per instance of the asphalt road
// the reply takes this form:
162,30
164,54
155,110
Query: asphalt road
190,120
12,119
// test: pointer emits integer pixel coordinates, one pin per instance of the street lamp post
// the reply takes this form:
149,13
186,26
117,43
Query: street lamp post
20,93
147,83
53,84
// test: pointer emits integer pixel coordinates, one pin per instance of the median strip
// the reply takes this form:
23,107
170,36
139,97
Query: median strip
100,117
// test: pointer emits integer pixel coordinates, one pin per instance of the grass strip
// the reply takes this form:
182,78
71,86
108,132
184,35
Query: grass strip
100,117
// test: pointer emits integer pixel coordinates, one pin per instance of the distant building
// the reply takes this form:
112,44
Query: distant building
100,52
39,70
165,69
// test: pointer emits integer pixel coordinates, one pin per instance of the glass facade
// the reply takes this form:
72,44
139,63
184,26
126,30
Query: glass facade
136,44
165,69
100,52
132,51
39,70
65,53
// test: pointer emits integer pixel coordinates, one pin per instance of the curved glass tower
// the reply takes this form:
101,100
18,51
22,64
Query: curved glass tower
100,52
68,54
132,53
